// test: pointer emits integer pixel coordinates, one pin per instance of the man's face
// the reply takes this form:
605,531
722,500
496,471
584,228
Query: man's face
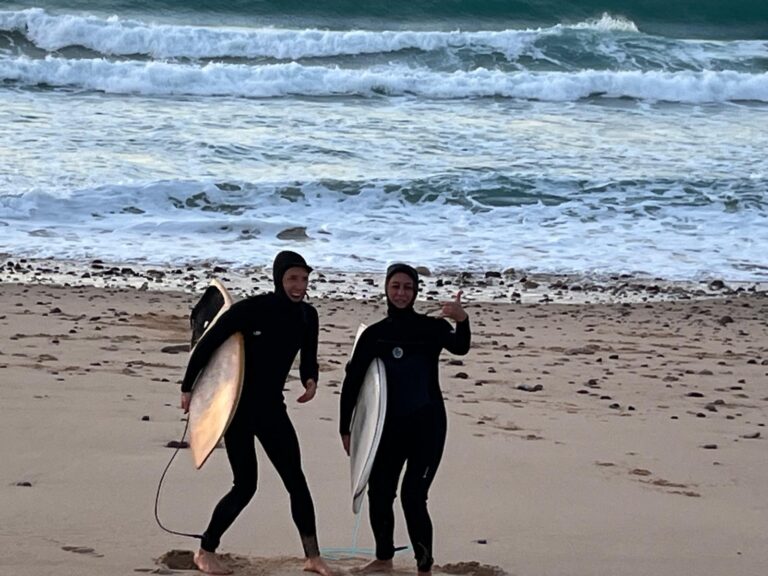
295,281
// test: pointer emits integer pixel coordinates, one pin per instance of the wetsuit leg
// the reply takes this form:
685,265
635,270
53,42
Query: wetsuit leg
241,453
425,450
281,445
382,489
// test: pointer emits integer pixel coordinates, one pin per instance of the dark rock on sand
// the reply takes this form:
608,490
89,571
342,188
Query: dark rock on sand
530,387
177,444
175,349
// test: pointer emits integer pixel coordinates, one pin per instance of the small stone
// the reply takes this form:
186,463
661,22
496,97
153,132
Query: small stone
461,375
176,349
177,444
710,446
145,418
530,387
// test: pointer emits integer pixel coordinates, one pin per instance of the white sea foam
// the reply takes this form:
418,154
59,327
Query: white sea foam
120,37
218,79
167,223
607,22
115,36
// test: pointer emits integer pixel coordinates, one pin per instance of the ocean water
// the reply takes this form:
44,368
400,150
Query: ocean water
591,137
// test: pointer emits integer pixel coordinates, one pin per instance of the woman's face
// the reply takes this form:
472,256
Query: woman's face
400,290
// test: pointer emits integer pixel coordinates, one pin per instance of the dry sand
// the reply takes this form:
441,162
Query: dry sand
623,438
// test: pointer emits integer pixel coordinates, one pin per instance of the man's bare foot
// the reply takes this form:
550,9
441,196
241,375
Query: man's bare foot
420,573
374,566
209,563
317,564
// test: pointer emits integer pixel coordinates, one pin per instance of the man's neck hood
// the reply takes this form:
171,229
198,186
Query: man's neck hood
283,261
410,271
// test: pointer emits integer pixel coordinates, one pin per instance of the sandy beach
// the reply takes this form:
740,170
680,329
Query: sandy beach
617,430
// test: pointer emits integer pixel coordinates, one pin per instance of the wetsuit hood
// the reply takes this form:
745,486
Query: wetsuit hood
411,272
283,261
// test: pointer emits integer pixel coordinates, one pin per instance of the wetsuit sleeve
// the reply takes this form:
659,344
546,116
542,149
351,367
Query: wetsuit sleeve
355,373
456,340
308,367
228,323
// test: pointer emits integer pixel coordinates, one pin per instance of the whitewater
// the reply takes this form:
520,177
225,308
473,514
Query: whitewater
586,145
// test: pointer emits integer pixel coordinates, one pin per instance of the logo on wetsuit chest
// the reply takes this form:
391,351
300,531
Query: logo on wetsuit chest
257,332
397,352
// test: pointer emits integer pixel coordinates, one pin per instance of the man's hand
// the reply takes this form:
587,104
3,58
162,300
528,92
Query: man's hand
345,443
309,392
185,398
453,310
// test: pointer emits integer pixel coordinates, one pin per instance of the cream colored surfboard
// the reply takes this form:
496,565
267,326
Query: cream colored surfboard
366,427
217,389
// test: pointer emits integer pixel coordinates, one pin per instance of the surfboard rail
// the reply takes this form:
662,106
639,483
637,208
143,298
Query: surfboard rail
366,427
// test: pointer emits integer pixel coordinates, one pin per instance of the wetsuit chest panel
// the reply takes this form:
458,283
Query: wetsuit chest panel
273,338
409,366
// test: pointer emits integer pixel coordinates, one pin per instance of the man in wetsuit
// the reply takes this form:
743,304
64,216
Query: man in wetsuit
414,432
275,326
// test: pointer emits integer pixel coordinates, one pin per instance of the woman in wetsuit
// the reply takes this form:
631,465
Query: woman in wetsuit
409,344
275,326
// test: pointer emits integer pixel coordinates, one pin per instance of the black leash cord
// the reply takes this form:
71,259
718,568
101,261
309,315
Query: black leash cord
160,484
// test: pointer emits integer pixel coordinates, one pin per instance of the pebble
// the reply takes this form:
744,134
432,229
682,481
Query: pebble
530,387
176,349
177,444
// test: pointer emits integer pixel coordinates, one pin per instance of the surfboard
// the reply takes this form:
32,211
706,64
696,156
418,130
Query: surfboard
366,426
216,391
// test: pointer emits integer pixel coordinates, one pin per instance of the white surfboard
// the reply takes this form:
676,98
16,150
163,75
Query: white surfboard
217,389
366,426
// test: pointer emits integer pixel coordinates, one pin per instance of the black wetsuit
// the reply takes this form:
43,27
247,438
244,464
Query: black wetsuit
415,425
274,330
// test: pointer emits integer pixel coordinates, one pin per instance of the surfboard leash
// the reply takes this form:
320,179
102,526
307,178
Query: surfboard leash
179,446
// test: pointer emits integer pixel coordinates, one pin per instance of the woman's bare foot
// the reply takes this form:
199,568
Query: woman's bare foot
374,566
317,564
209,563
